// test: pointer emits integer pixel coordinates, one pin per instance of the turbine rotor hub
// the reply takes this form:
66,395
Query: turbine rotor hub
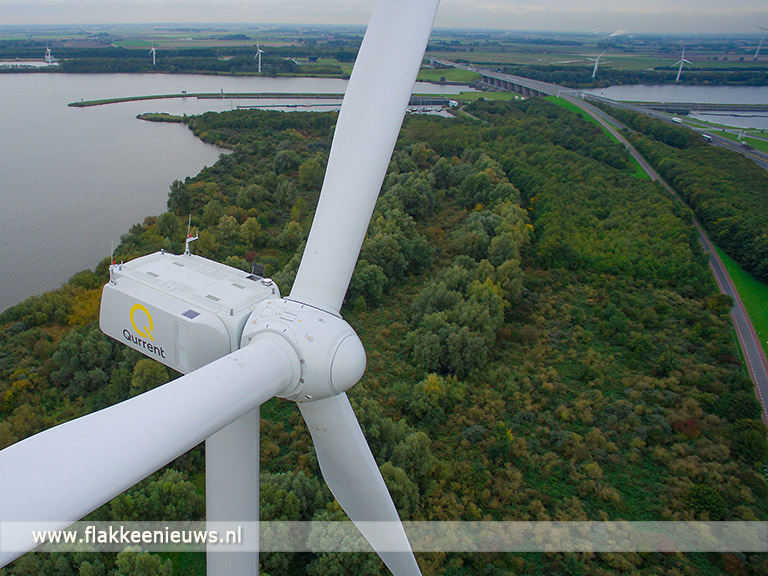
328,356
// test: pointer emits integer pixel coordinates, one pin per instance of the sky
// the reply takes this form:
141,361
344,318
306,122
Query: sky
603,16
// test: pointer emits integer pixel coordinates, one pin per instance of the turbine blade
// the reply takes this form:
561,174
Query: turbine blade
369,122
355,480
64,473
232,489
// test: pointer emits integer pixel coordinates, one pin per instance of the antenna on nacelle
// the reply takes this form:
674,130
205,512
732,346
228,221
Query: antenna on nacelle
112,266
189,236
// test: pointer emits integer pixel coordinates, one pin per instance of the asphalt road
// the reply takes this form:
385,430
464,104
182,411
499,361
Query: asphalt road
761,158
753,352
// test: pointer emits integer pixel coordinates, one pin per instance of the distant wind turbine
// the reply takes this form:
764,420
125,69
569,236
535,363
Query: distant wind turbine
49,59
152,51
682,63
257,57
597,62
757,52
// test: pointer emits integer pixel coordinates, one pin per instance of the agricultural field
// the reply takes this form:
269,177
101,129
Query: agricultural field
627,58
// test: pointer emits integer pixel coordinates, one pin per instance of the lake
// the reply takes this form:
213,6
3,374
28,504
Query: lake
72,180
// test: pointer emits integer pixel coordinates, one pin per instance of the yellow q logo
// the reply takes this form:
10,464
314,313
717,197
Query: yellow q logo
147,330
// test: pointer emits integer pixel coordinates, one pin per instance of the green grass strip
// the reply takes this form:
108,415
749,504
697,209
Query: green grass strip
761,145
639,172
450,75
753,293
467,96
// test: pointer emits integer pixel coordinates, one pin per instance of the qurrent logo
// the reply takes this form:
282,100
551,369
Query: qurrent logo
147,332
144,325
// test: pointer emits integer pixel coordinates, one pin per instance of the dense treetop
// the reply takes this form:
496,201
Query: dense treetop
728,192
544,341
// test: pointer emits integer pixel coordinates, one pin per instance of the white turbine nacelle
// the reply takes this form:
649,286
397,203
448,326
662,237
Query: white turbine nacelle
184,311
187,311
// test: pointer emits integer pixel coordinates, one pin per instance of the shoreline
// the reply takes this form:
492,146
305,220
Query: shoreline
208,96
428,99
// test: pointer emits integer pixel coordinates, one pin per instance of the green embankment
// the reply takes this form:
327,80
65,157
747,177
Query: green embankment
753,293
473,96
757,144
639,172
449,74
161,117
469,96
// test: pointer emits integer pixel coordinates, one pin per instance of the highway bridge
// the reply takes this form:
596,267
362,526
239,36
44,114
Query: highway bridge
508,82
528,88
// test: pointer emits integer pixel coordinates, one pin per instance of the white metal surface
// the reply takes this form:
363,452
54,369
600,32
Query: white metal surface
232,489
212,286
354,478
331,356
184,311
64,473
369,123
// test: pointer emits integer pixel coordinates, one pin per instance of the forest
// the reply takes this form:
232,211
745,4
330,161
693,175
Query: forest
727,192
545,342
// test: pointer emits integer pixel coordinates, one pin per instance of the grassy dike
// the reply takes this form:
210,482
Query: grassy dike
753,293
203,96
639,172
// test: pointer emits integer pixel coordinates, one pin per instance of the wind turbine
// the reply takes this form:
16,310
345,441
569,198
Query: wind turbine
152,52
259,52
49,59
682,63
297,348
597,62
757,52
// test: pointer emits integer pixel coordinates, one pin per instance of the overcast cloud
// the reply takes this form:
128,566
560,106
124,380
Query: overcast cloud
606,16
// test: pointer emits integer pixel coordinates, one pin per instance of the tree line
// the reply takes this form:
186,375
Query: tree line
728,192
229,60
544,341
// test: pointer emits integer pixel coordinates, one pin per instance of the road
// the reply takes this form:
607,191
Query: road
761,158
753,352
754,355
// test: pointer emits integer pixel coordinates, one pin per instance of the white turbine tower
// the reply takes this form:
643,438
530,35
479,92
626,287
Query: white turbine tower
257,57
153,52
297,348
682,63
49,59
597,62
760,45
